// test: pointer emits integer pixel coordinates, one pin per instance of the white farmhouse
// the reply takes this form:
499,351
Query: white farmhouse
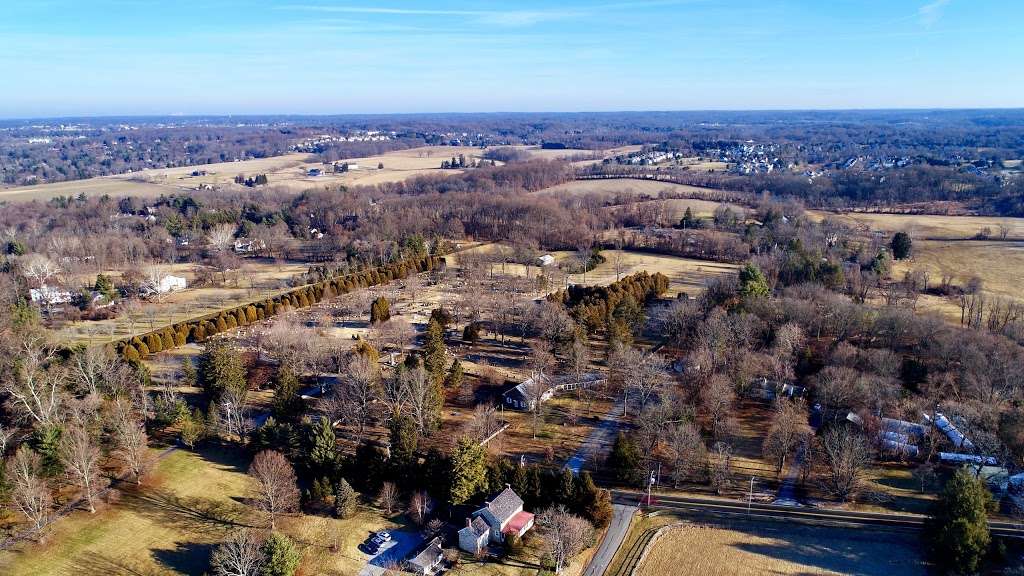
167,283
501,517
49,295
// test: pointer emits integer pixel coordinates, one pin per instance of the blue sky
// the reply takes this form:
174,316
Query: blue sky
105,57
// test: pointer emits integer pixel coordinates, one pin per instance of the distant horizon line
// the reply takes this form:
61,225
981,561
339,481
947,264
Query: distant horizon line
503,112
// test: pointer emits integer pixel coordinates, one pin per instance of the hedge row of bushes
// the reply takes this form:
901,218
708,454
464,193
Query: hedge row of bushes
199,329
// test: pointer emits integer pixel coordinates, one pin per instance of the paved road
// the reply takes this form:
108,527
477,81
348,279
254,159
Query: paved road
599,440
402,543
734,508
622,516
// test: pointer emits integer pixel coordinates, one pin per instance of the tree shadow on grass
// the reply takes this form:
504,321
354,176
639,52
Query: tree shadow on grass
186,557
193,515
227,457
846,551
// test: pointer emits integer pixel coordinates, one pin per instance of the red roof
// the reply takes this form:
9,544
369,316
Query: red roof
518,522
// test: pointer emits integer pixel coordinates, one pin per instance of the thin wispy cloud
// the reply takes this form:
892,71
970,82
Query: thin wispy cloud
498,17
511,17
932,12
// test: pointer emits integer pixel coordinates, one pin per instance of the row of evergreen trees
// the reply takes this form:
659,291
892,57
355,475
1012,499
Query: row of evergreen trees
592,306
199,330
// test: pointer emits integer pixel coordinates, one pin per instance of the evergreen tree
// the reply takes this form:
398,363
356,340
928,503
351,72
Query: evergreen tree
45,441
901,245
752,282
468,473
220,369
321,448
345,500
592,502
434,350
453,379
105,286
957,528
624,460
380,310
288,404
281,558
404,441
689,221
566,492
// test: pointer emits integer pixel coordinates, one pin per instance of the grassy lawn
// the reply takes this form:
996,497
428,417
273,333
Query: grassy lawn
191,502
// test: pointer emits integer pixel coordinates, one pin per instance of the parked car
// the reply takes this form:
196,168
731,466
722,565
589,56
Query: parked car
374,543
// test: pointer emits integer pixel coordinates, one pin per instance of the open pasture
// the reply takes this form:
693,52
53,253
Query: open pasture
927,226
998,264
626,187
113,186
290,171
257,279
782,549
685,274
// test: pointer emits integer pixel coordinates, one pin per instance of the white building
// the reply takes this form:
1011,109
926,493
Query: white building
49,295
167,283
546,260
501,517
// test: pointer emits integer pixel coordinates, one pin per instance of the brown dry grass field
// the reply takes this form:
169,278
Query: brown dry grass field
92,187
684,274
998,264
922,226
289,171
625,186
780,549
256,280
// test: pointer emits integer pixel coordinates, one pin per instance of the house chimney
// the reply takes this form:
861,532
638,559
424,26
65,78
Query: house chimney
469,522
508,486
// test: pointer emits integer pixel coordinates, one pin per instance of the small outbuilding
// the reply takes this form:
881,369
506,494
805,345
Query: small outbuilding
428,560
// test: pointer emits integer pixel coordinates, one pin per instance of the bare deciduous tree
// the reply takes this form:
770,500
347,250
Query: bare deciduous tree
538,385
387,498
844,455
788,431
420,507
35,385
38,268
130,439
563,535
689,455
80,454
29,493
421,397
717,398
483,422
221,237
352,400
276,490
240,555
721,466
